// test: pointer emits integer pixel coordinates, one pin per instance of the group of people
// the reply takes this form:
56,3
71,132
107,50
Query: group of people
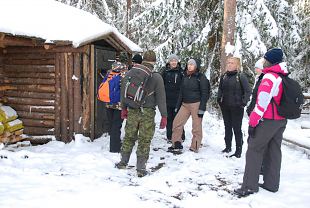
182,93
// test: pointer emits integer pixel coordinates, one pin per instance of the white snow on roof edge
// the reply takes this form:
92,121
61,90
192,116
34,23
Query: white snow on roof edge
54,21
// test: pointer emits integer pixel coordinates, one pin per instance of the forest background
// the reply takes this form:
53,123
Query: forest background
193,28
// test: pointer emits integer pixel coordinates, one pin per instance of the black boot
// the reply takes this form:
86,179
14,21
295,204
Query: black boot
238,152
244,192
176,147
226,150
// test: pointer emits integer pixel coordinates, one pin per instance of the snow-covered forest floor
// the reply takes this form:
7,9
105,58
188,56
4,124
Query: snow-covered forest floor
82,174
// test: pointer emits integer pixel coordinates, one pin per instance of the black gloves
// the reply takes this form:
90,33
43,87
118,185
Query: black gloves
251,131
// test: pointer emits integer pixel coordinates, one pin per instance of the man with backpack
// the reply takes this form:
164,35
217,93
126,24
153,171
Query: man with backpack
266,127
142,91
172,75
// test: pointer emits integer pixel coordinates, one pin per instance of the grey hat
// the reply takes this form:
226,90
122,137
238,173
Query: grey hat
192,61
173,57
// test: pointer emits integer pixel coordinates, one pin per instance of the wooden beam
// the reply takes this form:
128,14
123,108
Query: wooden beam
57,97
122,45
33,108
86,96
92,92
14,81
64,97
34,56
8,40
70,95
58,49
29,88
29,68
36,115
38,131
30,101
29,61
77,95
38,123
29,75
38,95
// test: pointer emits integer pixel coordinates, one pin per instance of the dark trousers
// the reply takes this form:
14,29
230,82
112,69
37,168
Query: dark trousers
264,146
232,117
171,115
115,123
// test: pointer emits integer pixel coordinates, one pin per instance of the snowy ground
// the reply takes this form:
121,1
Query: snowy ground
82,174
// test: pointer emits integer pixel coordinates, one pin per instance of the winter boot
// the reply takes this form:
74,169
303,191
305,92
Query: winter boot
124,161
244,192
176,147
227,150
141,166
238,152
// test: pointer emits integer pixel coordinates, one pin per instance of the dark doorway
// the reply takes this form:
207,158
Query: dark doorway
104,57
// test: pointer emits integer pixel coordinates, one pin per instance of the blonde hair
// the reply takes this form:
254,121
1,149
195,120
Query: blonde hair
238,62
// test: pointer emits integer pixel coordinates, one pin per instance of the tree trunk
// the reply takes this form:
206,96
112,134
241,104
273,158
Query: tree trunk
128,16
228,30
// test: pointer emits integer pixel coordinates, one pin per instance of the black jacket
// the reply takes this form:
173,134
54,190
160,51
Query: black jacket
172,80
195,88
233,89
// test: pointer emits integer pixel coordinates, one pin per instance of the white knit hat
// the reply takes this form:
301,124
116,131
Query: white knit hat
259,64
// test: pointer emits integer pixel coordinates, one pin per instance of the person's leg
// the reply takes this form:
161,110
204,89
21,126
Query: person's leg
272,163
115,136
170,117
109,112
179,122
131,132
237,116
196,127
146,133
228,127
254,155
183,134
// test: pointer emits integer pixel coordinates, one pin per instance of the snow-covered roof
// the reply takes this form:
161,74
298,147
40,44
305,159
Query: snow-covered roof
54,21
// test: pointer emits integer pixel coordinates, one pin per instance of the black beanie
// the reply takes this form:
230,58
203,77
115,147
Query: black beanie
137,58
274,56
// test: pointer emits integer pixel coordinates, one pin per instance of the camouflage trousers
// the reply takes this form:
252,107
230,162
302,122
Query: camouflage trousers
139,126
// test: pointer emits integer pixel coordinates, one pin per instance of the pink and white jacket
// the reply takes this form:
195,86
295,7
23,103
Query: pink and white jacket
270,87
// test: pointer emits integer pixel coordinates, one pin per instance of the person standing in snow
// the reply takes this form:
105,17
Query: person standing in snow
233,94
194,94
172,75
140,123
119,68
266,129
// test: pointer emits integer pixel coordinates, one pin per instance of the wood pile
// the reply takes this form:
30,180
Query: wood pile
11,128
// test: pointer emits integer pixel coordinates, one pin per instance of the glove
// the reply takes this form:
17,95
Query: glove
200,115
124,113
251,131
163,122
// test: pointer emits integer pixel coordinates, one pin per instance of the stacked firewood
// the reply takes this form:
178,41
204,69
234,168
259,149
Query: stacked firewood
11,128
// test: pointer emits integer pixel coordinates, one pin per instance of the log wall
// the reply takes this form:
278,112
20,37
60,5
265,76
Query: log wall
29,83
49,89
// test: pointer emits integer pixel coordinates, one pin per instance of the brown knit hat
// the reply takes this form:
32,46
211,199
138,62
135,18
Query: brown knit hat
149,56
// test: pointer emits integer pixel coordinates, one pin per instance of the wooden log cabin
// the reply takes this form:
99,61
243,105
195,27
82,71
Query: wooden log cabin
53,84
